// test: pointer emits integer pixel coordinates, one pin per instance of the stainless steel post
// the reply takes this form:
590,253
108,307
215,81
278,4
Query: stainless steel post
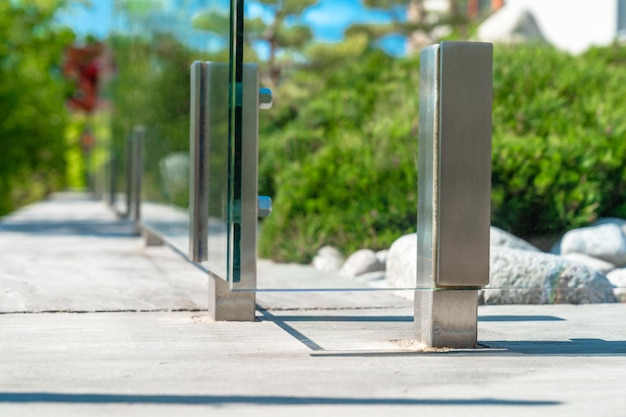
112,178
128,177
137,173
199,139
454,188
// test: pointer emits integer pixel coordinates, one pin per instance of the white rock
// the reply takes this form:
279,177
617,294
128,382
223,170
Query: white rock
556,248
526,277
402,262
382,256
611,220
599,264
328,259
605,241
517,276
617,277
361,262
499,237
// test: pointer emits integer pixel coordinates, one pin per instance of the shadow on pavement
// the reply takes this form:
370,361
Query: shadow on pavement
519,318
103,229
574,347
45,397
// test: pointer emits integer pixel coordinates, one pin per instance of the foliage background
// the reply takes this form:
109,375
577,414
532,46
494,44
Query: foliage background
32,102
338,153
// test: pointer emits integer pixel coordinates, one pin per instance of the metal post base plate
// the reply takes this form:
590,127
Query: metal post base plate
226,305
151,239
446,318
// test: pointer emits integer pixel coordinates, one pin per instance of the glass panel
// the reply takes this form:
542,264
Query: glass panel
210,195
343,128
235,150
153,46
218,244
243,171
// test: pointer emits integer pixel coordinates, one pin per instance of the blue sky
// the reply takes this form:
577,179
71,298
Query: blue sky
328,19
93,20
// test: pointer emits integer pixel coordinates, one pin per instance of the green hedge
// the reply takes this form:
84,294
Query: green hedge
32,103
337,159
339,150
559,139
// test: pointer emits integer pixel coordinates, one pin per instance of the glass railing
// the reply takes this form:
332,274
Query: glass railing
154,48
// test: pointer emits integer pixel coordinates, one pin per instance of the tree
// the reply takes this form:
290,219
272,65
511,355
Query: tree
280,36
32,101
377,31
283,39
419,24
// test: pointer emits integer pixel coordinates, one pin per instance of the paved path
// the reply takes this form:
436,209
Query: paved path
73,254
142,345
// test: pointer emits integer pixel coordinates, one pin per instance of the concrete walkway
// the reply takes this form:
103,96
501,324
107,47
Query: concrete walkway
94,323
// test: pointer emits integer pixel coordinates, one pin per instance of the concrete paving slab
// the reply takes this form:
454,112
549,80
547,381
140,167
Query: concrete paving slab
540,361
309,354
71,253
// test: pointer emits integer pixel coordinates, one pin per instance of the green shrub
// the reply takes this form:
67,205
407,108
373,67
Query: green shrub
543,186
351,196
32,102
340,165
339,150
558,139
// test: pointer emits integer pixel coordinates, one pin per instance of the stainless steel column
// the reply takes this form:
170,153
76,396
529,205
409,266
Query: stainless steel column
199,138
128,176
136,176
454,188
112,178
